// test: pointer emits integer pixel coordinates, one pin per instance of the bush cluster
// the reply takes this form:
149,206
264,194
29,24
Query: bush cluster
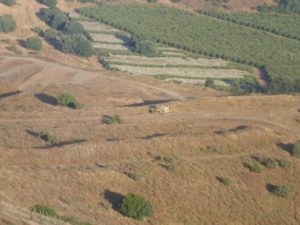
47,211
70,36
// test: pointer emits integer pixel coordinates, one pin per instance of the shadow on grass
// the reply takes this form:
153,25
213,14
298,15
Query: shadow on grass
149,102
247,166
9,94
114,198
46,99
33,133
238,128
286,147
156,135
62,144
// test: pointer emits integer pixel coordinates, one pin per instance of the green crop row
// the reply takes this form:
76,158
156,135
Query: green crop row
286,25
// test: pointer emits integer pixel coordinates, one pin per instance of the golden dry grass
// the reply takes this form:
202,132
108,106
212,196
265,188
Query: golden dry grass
74,178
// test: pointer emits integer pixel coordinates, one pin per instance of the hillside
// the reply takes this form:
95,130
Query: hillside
77,135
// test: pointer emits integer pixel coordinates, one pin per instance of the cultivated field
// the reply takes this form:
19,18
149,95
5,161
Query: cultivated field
170,61
278,57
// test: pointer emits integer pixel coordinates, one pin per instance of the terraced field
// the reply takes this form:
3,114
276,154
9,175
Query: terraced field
171,64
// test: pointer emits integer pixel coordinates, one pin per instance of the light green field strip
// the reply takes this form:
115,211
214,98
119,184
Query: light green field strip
196,81
178,54
166,61
95,26
168,49
74,15
110,46
183,72
106,38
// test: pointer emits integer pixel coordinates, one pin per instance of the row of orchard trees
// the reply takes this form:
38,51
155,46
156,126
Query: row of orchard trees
286,25
207,36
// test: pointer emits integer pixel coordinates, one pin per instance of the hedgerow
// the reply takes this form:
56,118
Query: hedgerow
69,36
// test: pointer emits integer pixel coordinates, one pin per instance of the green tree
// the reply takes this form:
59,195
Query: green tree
34,43
135,206
7,23
8,2
48,2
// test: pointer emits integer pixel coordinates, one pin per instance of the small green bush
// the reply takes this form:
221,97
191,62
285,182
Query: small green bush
284,163
134,176
135,206
269,163
47,211
34,43
48,137
209,83
255,168
8,2
44,210
115,119
224,180
14,49
296,150
279,190
7,23
68,100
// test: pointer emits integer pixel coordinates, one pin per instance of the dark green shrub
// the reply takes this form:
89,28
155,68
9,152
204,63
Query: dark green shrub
135,206
48,137
152,1
279,190
50,3
209,83
34,43
142,46
8,2
44,210
269,163
68,100
7,23
296,150
39,31
50,35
